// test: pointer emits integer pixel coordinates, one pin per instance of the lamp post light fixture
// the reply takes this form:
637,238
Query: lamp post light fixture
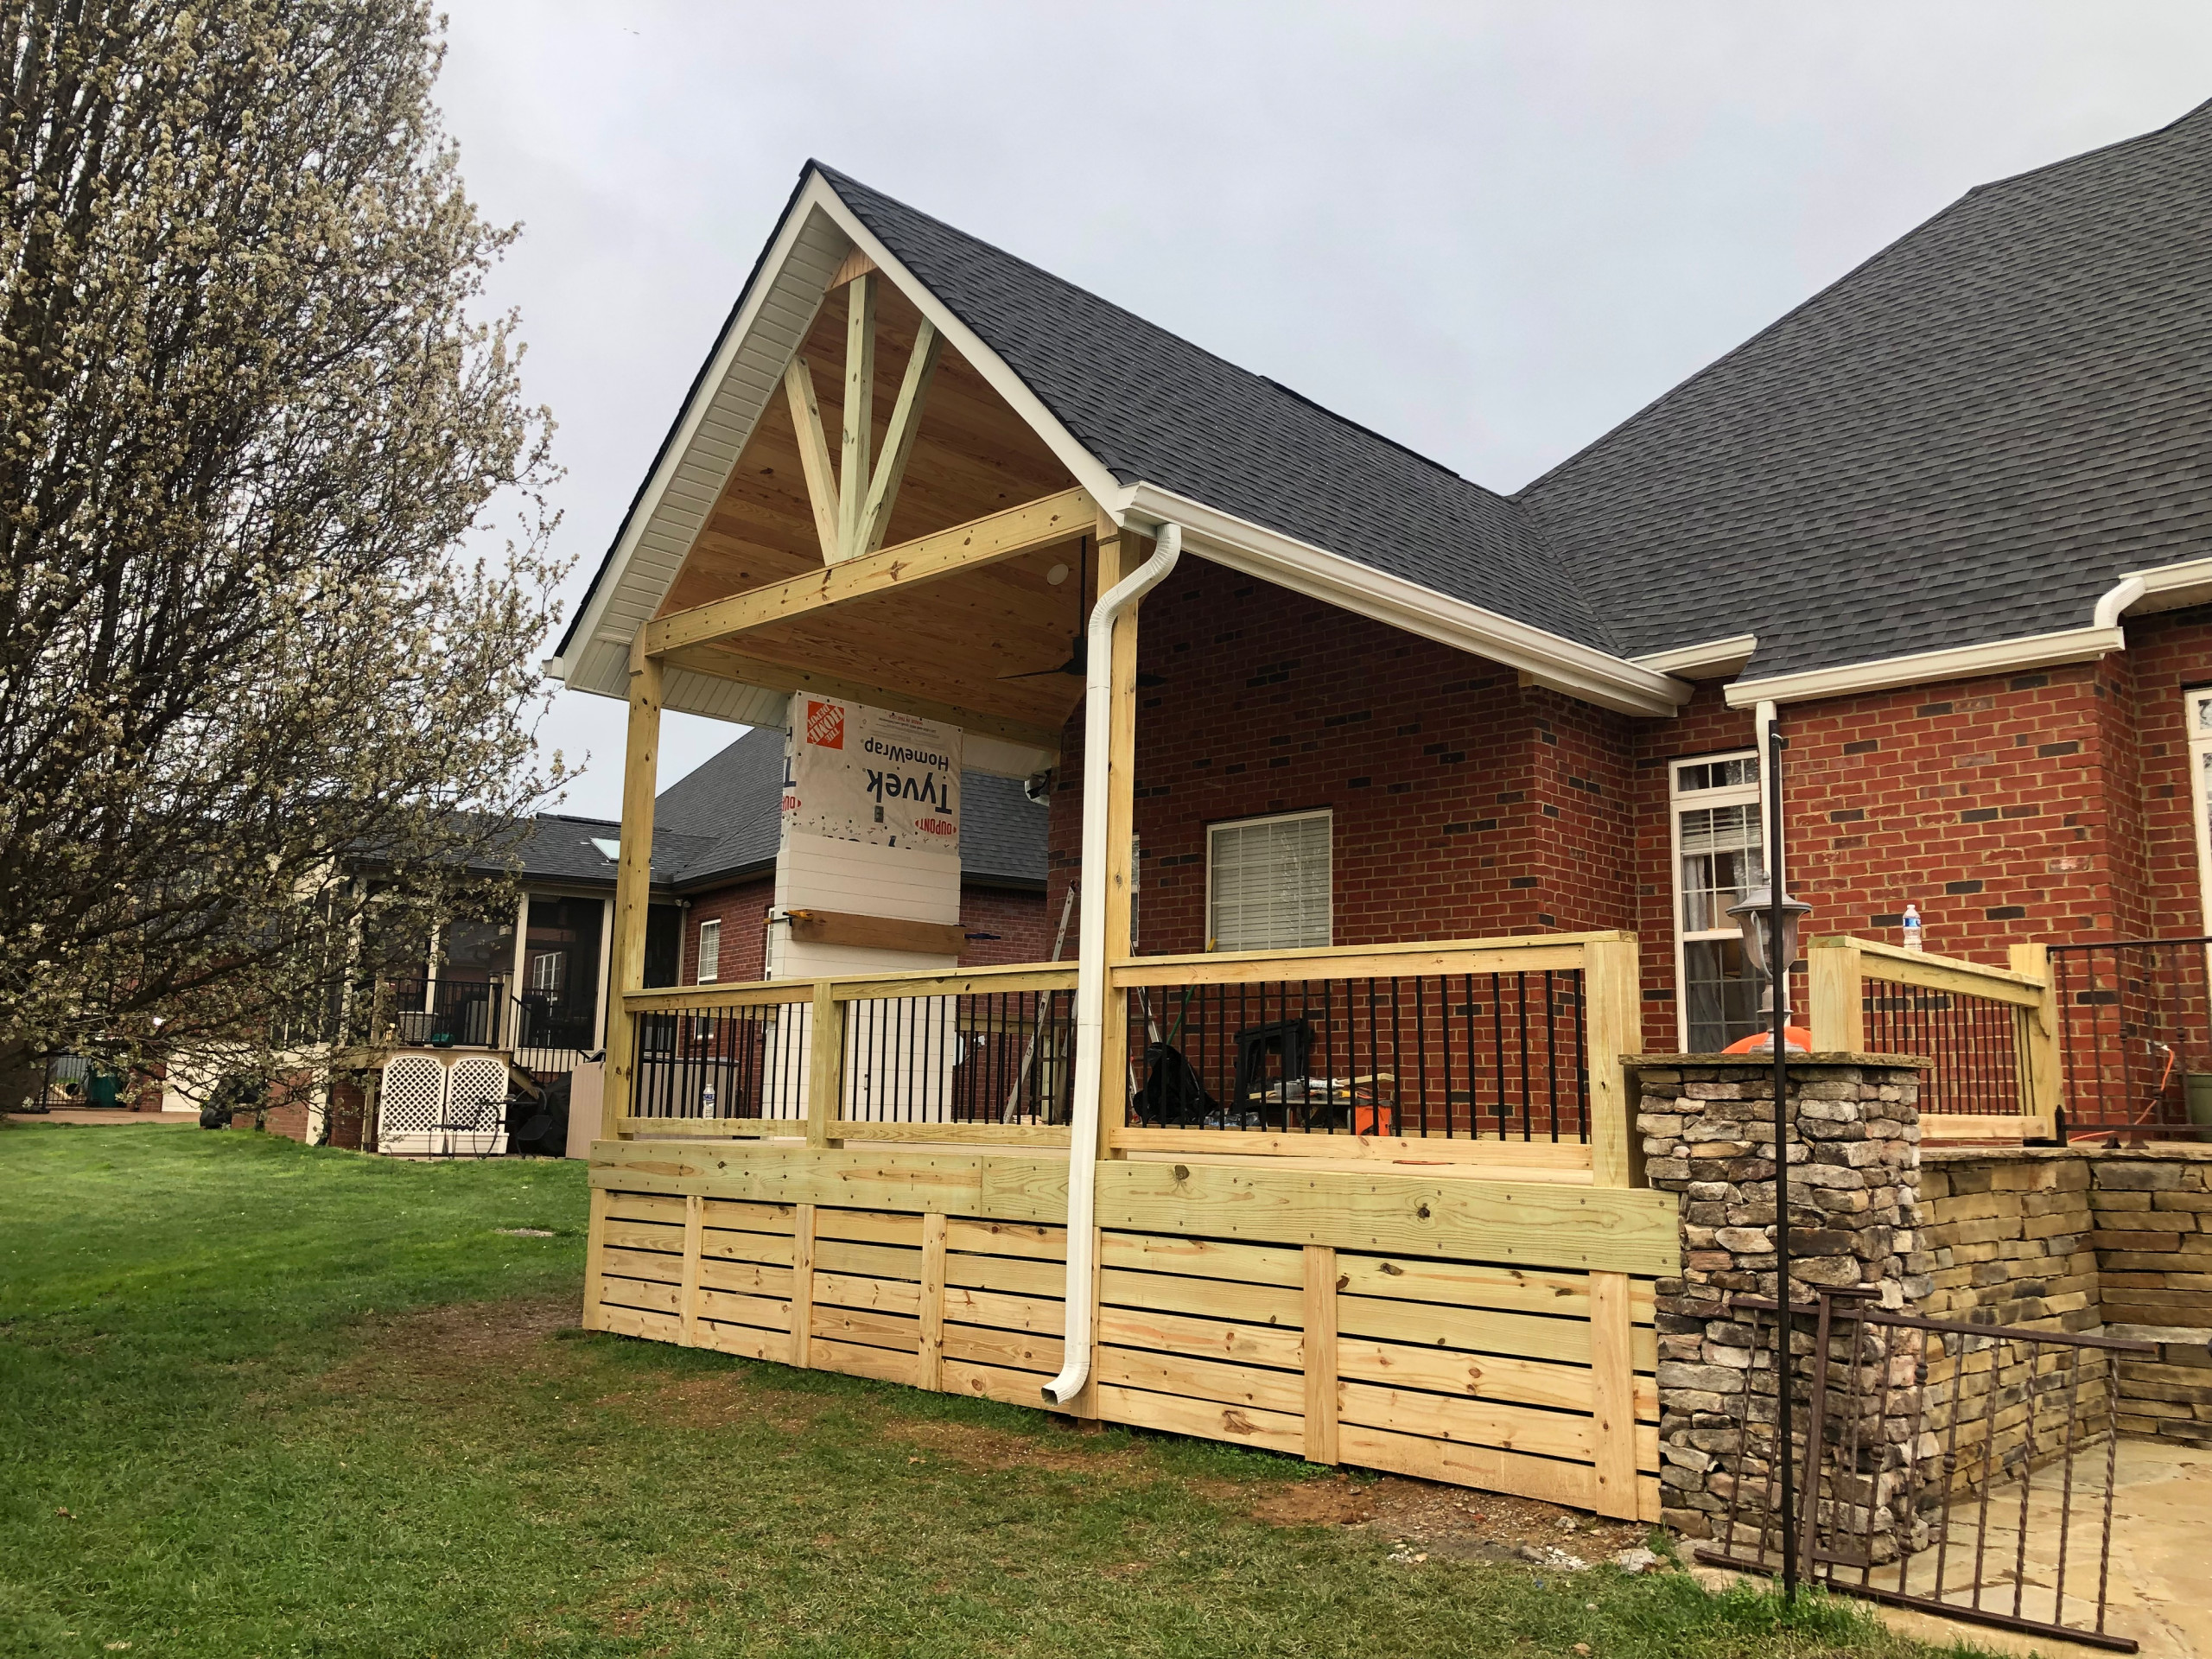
1754,913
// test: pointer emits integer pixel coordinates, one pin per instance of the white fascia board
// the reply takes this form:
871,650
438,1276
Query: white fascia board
1929,667
1713,659
1086,467
1564,665
593,624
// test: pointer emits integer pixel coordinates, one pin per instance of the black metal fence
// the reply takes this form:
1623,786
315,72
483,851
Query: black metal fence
995,1057
1976,1047
1965,1470
726,1063
1494,1055
2135,1036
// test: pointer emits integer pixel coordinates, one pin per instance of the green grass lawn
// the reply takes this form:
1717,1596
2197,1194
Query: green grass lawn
258,1399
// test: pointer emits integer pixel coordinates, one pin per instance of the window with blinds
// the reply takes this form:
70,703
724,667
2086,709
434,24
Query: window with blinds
1719,855
2198,703
710,952
1268,885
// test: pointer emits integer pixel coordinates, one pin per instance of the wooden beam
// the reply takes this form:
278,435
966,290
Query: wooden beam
1119,553
825,1067
988,540
1837,1016
1320,1354
899,439
1615,1031
633,877
857,264
932,1355
779,676
813,454
1612,1368
859,414
878,932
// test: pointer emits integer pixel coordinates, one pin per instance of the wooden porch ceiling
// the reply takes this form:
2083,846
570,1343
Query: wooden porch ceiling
938,647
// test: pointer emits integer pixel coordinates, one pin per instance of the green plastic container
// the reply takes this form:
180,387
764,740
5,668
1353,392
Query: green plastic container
2200,1099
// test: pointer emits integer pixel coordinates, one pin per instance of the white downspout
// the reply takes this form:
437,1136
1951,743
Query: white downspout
1763,719
1090,960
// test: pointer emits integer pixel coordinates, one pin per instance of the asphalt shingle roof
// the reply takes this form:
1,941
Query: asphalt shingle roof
1151,406
721,818
1969,437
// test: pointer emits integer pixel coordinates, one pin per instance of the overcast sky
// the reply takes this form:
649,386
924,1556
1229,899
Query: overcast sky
1489,231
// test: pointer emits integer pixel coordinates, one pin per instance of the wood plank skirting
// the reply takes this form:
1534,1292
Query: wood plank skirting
1485,1333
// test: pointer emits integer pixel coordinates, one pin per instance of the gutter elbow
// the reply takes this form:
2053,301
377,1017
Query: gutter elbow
2116,600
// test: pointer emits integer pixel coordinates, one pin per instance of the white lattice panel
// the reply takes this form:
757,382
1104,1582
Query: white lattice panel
414,1095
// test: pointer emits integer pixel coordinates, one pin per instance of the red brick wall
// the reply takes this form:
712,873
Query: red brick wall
2168,654
1018,917
743,909
2047,805
1464,804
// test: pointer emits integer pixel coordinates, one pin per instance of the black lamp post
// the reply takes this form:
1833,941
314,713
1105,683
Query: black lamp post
1761,914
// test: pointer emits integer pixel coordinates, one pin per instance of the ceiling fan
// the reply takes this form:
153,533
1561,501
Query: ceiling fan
1078,662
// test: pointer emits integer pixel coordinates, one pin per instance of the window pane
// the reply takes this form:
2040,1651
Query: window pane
710,950
1720,994
1270,885
1721,861
1718,774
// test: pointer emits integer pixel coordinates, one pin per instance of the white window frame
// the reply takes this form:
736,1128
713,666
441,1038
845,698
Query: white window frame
1329,871
2198,746
710,959
1678,800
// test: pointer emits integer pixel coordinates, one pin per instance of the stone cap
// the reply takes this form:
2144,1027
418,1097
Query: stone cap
1764,1060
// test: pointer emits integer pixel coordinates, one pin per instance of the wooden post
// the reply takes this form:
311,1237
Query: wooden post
595,1317
1835,988
825,1064
803,1286
1614,1028
858,417
2039,1031
1321,1347
934,1228
1119,553
694,1209
1612,1377
634,879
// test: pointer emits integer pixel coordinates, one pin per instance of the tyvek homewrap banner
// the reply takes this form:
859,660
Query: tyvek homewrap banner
870,775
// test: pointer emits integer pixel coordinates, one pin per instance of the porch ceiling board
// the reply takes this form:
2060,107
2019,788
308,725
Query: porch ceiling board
762,677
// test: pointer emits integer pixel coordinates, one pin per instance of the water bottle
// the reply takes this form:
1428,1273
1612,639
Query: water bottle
1912,939
707,1101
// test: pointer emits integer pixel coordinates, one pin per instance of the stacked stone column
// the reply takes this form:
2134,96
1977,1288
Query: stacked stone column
1853,1147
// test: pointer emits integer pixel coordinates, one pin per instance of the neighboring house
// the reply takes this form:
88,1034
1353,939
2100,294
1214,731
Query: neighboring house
533,990
1950,521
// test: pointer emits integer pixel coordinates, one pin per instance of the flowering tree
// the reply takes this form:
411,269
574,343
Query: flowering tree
248,422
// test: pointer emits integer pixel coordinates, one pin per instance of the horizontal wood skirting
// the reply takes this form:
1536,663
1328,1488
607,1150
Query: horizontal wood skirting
1438,1213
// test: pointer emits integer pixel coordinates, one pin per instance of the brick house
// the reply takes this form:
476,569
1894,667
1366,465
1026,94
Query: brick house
1947,524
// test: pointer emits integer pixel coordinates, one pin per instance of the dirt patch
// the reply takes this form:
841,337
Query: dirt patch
1058,1450
716,1401
1446,1521
450,1341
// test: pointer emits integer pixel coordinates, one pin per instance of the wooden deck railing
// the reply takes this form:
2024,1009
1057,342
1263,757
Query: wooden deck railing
1989,1034
1499,1052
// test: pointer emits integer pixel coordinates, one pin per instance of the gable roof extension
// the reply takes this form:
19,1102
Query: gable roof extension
1970,438
721,823
1966,441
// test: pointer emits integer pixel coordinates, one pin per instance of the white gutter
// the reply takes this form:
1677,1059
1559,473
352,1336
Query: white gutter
1563,664
1090,962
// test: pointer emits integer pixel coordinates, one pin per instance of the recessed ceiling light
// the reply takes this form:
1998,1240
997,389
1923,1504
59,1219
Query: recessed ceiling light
1057,575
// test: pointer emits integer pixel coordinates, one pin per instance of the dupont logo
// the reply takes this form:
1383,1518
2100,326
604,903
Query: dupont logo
825,725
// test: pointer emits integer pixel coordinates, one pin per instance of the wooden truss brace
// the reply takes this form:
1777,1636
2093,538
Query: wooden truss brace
852,507
1041,522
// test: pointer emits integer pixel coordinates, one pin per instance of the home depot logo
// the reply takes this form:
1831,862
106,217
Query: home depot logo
825,725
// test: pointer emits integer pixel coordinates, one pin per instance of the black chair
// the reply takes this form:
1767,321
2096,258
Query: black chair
1291,1041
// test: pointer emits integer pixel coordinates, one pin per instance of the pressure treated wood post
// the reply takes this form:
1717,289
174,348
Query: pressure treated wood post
1319,1345
825,1064
802,1352
634,879
2039,1032
595,1317
934,1231
1835,988
1612,1376
1614,1030
694,1235
1120,552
